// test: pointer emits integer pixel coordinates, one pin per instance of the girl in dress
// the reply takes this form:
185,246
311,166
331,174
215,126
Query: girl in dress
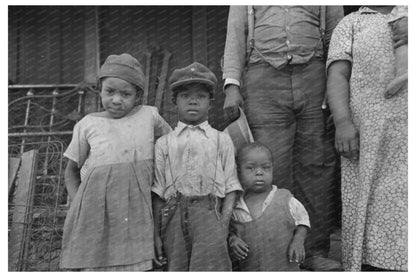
109,226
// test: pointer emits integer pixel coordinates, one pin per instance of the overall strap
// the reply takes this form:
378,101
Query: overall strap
250,27
216,163
168,160
250,36
322,29
322,21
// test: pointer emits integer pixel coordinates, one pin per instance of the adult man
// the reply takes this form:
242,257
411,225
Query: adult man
276,54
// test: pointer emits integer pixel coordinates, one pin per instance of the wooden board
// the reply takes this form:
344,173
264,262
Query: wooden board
22,203
13,165
162,80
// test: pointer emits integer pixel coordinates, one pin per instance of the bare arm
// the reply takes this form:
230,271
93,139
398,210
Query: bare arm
296,250
227,206
72,178
157,205
338,89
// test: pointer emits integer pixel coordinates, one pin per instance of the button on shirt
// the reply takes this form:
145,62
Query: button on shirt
298,212
282,34
195,161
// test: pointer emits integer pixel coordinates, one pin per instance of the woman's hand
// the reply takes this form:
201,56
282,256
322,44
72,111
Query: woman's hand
347,140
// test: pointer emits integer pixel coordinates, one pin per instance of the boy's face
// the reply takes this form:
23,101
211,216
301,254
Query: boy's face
118,96
256,171
193,105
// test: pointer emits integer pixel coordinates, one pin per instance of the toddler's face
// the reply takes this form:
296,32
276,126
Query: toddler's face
193,105
256,171
118,96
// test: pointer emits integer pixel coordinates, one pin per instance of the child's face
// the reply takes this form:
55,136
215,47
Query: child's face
255,171
118,96
193,105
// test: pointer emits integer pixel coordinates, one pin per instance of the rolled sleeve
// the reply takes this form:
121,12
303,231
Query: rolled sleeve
340,47
236,43
229,166
298,212
79,147
231,81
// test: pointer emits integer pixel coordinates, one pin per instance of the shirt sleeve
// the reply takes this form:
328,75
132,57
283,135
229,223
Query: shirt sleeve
341,44
231,81
79,147
334,14
228,164
298,212
161,126
235,43
159,183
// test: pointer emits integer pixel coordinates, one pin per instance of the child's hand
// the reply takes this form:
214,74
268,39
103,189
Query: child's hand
160,259
400,32
296,251
238,247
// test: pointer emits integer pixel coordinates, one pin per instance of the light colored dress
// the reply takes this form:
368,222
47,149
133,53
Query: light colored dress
374,189
109,223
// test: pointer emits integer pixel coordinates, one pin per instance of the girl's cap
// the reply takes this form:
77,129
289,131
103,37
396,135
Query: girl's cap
125,67
194,73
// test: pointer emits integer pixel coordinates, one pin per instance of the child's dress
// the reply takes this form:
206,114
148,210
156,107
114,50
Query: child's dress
268,236
110,219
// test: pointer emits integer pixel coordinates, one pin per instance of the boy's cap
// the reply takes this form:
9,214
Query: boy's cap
194,73
125,67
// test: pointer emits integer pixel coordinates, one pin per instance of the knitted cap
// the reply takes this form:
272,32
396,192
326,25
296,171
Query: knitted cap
125,67
194,73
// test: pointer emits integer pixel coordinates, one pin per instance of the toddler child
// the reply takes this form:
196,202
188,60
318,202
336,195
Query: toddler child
195,180
268,225
109,225
400,54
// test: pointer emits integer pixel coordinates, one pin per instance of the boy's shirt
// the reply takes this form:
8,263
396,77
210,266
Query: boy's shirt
195,161
299,214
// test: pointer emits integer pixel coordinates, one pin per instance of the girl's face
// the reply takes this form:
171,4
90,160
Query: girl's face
119,97
256,171
193,105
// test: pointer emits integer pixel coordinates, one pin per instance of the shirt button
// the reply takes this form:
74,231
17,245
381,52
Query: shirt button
287,42
289,57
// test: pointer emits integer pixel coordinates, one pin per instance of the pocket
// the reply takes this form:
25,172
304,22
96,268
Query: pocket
166,214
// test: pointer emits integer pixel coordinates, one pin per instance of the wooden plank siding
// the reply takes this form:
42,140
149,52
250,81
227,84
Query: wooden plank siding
62,44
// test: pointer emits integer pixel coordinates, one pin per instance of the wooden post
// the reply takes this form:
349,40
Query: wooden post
22,214
91,57
162,80
199,35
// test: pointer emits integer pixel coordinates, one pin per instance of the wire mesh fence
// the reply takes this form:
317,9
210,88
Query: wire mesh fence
41,118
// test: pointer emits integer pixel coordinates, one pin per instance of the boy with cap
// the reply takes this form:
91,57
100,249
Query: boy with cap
195,180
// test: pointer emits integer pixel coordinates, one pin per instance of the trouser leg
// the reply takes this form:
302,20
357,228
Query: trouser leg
314,160
268,106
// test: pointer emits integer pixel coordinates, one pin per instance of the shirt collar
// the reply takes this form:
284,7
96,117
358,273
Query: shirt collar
204,126
366,9
241,204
